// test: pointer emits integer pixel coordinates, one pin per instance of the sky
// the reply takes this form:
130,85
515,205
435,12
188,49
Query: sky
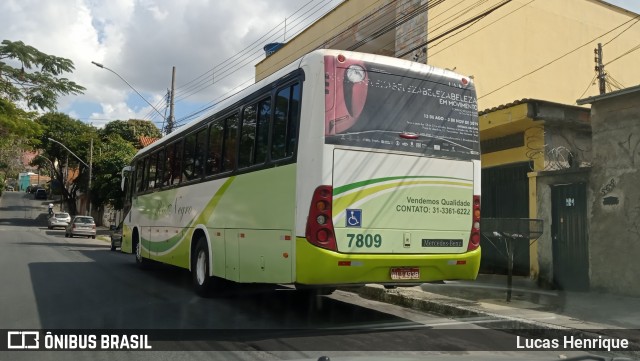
141,40
213,44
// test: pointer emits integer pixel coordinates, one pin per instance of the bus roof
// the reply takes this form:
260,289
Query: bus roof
408,65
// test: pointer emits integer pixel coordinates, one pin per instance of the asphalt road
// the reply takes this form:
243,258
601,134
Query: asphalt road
51,282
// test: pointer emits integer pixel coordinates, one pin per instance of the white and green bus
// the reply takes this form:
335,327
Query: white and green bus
342,168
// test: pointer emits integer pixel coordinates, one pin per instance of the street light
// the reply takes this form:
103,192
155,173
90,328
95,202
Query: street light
85,164
130,86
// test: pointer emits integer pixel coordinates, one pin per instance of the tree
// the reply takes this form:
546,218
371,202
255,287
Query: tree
33,76
131,130
18,132
76,136
114,154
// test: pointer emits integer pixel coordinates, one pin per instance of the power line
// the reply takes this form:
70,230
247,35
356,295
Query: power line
622,32
591,82
225,74
334,37
229,63
477,31
417,32
249,46
485,13
624,54
560,57
389,25
385,27
394,24
278,64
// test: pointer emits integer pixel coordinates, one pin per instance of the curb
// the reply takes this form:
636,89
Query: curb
456,307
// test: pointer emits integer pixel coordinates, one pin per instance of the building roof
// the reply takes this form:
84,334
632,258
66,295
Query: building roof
597,98
537,102
146,141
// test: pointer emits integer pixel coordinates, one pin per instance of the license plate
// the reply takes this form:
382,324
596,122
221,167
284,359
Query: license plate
405,273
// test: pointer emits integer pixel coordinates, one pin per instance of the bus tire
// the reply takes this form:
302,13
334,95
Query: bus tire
203,284
140,261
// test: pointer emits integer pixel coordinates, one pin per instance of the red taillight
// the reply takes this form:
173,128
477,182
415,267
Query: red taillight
341,58
474,239
319,223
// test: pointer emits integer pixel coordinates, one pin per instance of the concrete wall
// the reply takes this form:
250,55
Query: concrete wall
565,147
615,185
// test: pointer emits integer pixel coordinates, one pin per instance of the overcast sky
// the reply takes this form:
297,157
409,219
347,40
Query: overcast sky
142,39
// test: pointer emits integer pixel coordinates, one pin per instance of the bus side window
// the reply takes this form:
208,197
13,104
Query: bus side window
199,154
168,160
151,171
188,156
214,157
140,176
176,165
285,122
247,136
230,140
294,115
262,133
160,168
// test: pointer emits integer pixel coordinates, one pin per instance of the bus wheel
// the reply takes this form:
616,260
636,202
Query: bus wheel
138,248
200,268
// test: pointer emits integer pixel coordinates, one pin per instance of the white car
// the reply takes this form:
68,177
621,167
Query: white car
60,219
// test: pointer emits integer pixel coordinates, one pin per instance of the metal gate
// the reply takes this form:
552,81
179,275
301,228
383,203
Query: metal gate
505,194
570,237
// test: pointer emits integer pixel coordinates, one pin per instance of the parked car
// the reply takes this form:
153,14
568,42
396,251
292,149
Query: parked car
9,188
81,226
60,219
40,194
116,237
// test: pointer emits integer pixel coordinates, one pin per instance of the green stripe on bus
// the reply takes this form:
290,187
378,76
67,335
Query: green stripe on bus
201,218
348,187
341,203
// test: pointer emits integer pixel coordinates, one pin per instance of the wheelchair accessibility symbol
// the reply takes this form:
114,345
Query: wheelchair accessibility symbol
353,218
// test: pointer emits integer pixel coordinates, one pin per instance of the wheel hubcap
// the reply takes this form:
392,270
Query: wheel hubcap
201,268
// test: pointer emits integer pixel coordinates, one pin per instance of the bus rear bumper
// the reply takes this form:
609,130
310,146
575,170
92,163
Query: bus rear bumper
318,266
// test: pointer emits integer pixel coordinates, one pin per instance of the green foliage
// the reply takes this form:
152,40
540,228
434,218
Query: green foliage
37,79
18,132
114,154
130,130
76,137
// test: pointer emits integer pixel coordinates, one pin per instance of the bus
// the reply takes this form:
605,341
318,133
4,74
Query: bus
340,169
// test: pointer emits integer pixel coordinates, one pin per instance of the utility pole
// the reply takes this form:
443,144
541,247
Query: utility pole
600,69
65,178
90,171
170,122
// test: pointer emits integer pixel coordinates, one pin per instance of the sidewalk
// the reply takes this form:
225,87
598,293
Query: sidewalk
483,301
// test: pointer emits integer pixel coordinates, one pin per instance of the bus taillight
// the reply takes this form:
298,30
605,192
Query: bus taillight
319,223
474,239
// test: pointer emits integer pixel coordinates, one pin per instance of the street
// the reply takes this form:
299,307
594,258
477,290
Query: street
52,282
